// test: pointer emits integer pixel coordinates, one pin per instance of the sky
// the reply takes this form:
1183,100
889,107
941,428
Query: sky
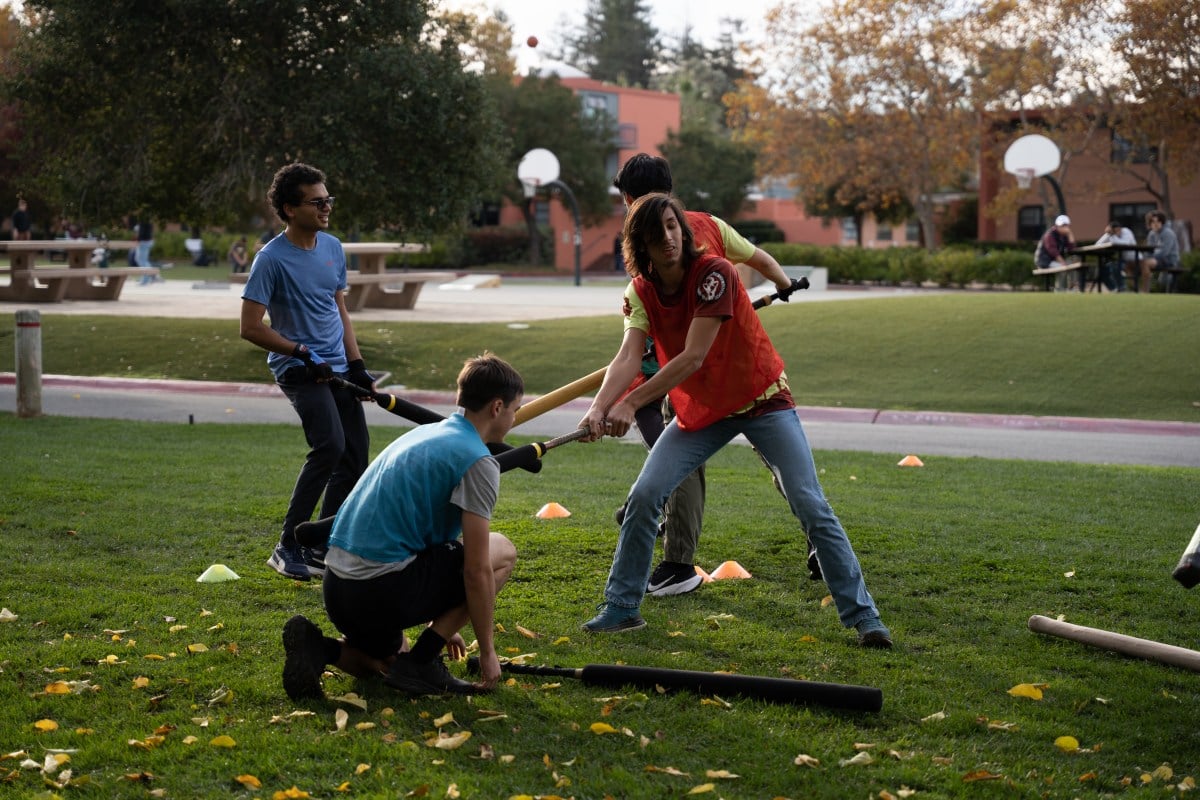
545,18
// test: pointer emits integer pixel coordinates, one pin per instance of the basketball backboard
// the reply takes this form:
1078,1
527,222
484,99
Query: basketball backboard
538,167
1033,152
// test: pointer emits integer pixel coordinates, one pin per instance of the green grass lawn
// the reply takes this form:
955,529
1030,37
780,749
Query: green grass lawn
107,525
1129,356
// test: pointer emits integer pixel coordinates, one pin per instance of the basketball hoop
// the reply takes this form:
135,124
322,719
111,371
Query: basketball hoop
530,185
1024,176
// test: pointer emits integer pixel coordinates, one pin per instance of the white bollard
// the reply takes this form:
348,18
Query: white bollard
29,363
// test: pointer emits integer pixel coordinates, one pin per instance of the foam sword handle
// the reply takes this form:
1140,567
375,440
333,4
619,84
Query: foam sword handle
529,456
782,294
1187,571
778,690
424,416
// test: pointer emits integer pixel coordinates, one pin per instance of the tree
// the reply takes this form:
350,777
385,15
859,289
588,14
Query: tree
710,171
187,107
541,112
616,43
870,98
1159,42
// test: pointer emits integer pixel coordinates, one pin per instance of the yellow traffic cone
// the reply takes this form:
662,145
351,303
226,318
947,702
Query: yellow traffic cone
729,570
910,461
216,574
552,511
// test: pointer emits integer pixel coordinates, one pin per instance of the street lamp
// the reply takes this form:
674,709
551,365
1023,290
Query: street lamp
539,167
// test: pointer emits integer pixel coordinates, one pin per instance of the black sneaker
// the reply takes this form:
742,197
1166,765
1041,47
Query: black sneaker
288,561
814,566
427,677
304,659
314,559
670,577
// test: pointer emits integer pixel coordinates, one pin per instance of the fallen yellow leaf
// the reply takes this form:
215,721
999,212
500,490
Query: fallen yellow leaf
361,768
45,725
450,742
600,728
1068,744
141,682
58,687
293,793
340,718
197,648
702,788
249,781
1032,691
720,774
223,741
528,634
444,720
862,758
981,775
804,760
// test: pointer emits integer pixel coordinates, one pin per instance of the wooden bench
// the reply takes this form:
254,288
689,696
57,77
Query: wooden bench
55,284
1050,272
380,289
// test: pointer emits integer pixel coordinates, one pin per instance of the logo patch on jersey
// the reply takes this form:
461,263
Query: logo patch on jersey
712,288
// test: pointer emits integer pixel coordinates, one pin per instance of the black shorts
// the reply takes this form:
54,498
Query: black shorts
374,614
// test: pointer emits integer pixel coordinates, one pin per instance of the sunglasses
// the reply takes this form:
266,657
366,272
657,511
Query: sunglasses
320,203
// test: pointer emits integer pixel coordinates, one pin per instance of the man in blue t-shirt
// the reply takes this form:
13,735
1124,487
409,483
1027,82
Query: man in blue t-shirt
411,546
299,280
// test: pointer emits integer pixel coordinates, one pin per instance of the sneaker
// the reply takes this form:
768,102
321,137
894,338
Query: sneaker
671,577
814,566
428,677
873,633
304,659
288,561
614,619
314,559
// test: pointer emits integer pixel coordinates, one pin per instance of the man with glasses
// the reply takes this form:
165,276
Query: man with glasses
299,279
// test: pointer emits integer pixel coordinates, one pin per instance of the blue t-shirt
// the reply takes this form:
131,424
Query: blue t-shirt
298,287
402,504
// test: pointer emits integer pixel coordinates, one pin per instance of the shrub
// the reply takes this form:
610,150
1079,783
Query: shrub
759,231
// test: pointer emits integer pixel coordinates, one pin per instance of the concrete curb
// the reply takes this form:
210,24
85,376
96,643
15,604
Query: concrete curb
865,416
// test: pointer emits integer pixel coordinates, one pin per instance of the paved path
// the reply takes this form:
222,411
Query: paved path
892,433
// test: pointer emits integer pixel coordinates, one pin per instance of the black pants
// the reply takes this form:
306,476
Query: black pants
335,428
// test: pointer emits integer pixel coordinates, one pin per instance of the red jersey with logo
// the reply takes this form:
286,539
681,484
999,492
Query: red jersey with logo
741,365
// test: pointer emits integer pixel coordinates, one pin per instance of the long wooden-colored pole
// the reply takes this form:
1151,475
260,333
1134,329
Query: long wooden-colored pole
1117,642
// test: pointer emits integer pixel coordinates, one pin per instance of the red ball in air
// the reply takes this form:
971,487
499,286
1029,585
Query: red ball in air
531,41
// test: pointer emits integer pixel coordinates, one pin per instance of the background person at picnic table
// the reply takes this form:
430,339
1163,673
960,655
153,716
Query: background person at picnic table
1166,249
299,278
412,545
1055,245
725,378
21,221
239,258
1112,269
144,234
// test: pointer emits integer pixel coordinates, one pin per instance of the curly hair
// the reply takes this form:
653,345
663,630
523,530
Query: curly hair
643,227
285,186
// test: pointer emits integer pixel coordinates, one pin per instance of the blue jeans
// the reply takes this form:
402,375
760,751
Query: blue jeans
781,441
143,253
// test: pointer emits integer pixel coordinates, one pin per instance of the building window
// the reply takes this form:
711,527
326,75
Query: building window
627,136
1031,223
1132,216
1124,151
912,232
849,229
883,233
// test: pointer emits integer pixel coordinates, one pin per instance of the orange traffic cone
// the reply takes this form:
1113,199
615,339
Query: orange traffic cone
552,511
704,576
910,461
729,570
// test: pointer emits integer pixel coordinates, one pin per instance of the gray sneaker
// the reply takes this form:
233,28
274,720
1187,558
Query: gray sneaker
615,619
288,561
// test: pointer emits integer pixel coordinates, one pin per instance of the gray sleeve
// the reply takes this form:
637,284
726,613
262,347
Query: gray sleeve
478,489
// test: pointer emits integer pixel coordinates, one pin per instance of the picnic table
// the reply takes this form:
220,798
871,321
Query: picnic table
372,285
1113,249
79,280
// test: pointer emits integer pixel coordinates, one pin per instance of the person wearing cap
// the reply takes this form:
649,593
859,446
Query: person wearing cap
1056,244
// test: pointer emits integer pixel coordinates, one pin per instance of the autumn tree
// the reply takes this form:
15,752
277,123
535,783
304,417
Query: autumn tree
188,108
1159,42
616,43
870,98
